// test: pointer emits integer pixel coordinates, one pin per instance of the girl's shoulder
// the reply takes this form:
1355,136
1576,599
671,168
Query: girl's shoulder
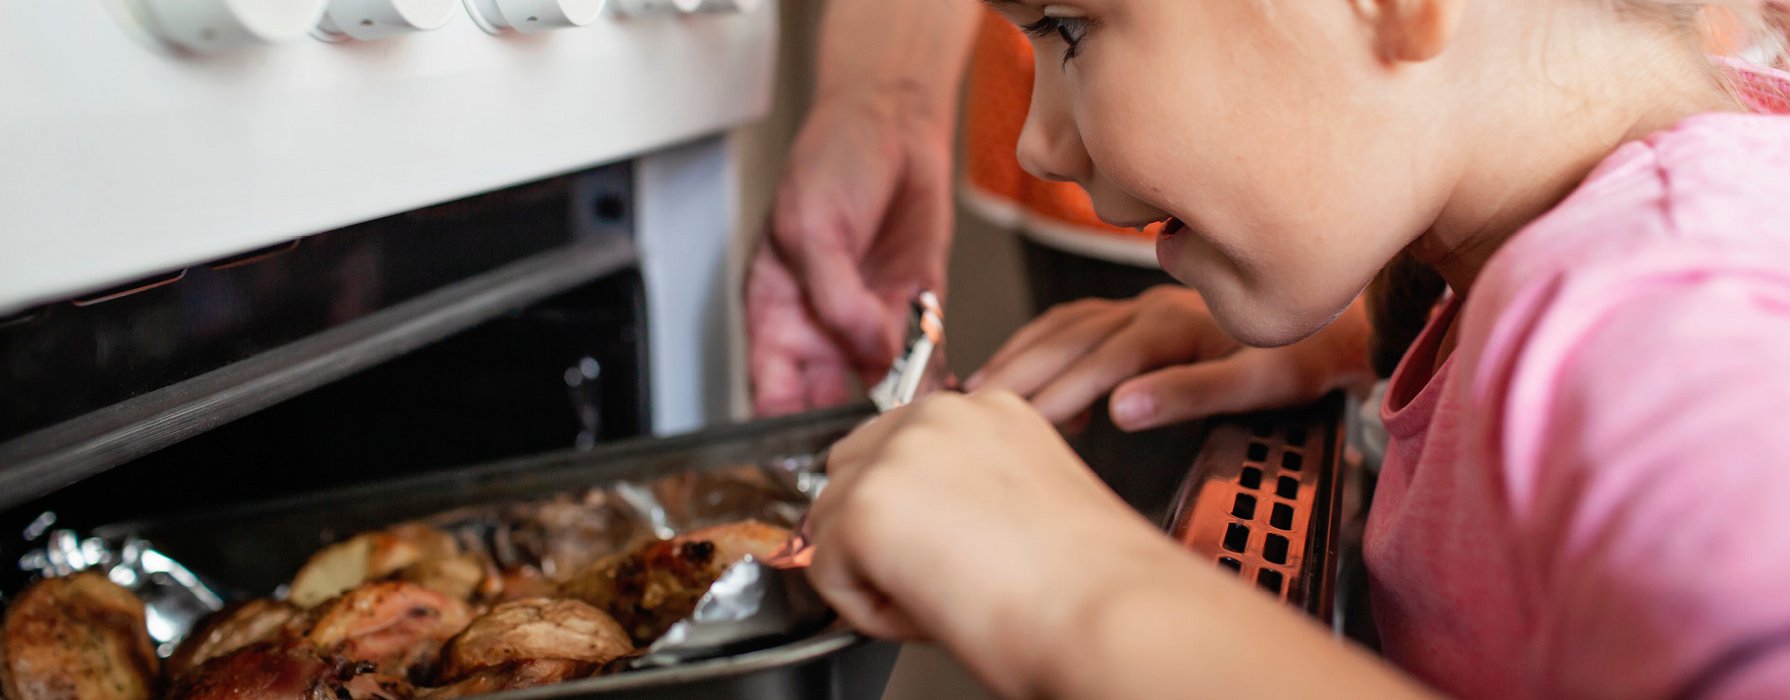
1709,197
1661,286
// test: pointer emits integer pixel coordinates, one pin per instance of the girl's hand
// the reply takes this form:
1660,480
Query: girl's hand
968,520
1165,360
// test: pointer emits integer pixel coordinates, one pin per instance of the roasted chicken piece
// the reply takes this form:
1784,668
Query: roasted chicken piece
73,638
399,627
533,629
651,587
286,670
365,644
469,577
563,535
525,582
232,628
409,551
512,676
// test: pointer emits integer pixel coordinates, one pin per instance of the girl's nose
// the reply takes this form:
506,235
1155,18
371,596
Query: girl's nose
1041,154
1050,147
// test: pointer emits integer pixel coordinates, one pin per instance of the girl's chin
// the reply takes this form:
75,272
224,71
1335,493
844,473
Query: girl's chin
1256,324
1244,316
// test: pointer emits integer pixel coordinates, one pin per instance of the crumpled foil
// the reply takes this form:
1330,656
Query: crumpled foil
557,536
174,598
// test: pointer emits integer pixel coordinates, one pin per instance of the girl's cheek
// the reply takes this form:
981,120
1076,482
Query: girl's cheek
1125,132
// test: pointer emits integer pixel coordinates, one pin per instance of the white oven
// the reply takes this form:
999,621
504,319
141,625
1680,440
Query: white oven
139,138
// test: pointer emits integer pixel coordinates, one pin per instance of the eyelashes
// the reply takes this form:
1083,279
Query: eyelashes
1072,30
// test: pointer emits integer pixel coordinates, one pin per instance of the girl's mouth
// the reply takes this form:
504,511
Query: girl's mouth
1172,226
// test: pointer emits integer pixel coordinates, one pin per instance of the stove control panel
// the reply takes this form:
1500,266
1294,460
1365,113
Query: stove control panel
648,8
208,26
530,16
217,25
143,137
377,19
724,5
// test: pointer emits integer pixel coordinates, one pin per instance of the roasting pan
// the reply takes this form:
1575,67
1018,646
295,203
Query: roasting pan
250,548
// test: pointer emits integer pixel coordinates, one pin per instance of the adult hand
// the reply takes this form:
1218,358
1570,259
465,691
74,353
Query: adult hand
861,223
1164,359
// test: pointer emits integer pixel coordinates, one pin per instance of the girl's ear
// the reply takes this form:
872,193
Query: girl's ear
1410,30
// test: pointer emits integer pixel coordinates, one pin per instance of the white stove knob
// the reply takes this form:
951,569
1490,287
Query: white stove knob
646,8
529,16
377,19
215,25
741,6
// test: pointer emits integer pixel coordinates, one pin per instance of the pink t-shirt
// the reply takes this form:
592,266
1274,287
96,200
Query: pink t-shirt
1591,496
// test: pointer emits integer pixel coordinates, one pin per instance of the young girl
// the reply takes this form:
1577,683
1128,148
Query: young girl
1585,490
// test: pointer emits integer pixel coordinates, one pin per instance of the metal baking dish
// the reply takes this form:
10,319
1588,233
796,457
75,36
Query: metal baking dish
252,548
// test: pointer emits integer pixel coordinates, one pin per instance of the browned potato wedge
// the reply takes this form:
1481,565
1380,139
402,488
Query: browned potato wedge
77,637
369,556
467,577
535,628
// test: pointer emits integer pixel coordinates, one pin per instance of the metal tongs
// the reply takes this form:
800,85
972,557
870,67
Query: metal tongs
755,601
921,368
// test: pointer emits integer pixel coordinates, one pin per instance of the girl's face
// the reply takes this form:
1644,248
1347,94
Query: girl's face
1294,161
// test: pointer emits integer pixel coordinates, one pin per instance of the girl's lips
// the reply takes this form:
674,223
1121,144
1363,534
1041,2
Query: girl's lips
1168,245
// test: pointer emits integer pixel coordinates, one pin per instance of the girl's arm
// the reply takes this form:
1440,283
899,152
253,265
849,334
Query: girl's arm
966,520
1187,629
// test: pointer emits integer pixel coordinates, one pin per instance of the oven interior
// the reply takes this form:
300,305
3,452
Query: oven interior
507,323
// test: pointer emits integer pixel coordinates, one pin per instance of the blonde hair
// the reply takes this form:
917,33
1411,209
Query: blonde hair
1757,31
1753,31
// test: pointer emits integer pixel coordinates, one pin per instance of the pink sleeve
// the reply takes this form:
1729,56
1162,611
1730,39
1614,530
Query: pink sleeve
1659,526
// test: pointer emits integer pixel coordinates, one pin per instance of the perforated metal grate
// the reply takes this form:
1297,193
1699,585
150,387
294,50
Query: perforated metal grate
1261,501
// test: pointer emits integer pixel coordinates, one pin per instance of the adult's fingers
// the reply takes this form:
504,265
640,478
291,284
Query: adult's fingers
824,246
1248,380
849,310
793,364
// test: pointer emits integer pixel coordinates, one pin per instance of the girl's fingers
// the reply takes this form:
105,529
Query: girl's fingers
1248,380
1124,355
1041,363
1053,321
856,600
840,533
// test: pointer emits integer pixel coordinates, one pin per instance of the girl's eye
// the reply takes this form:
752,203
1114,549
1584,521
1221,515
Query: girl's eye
1071,29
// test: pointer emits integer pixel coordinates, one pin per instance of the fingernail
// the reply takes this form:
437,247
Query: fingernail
1134,408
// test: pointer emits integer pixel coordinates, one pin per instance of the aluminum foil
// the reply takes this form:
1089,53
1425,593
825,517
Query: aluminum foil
174,598
556,536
